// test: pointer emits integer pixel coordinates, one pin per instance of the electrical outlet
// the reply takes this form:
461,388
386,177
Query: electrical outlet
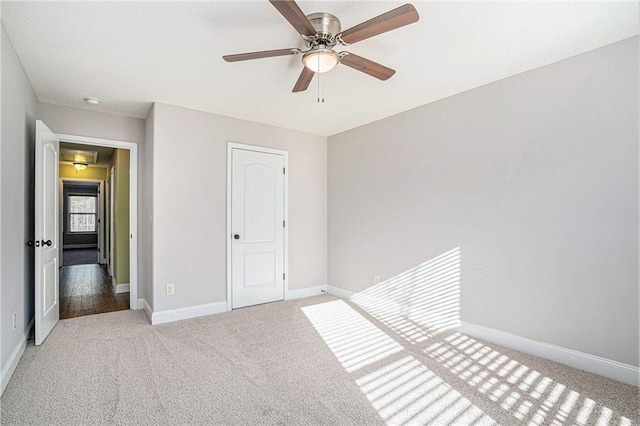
15,320
170,290
376,279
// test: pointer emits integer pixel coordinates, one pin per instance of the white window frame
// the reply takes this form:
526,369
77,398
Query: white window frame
69,213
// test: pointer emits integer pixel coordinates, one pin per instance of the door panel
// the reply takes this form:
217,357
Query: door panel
50,299
259,202
47,233
257,215
260,269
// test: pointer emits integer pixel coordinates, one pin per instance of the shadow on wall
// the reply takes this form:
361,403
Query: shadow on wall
395,340
420,302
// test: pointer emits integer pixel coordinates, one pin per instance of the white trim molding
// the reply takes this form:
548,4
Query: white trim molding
170,315
14,358
305,292
143,304
340,292
592,363
122,288
81,246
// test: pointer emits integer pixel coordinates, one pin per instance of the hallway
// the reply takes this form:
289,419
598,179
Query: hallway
80,256
87,290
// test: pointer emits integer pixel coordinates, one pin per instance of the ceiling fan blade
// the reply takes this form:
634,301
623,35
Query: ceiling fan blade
296,17
303,81
366,66
261,54
396,18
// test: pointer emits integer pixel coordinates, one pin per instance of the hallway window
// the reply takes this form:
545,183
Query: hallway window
82,213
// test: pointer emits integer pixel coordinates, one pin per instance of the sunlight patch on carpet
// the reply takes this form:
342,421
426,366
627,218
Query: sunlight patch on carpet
403,391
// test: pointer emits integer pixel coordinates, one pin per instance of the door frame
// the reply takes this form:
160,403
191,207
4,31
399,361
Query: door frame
101,225
133,203
111,221
285,154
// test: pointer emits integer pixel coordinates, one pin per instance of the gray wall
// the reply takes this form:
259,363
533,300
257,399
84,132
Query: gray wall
82,122
145,224
189,203
17,160
534,178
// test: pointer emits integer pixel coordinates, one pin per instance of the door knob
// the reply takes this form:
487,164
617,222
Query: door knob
236,236
46,243
30,243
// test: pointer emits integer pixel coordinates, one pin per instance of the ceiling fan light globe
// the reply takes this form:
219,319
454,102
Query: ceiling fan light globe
320,61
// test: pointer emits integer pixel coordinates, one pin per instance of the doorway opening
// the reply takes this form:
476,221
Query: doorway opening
94,220
48,244
82,219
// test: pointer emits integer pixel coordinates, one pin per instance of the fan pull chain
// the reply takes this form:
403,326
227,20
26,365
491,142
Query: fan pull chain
323,87
319,82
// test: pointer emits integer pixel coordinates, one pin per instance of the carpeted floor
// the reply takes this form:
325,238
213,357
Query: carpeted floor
311,361
80,256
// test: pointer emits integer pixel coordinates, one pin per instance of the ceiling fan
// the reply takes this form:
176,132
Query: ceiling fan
321,33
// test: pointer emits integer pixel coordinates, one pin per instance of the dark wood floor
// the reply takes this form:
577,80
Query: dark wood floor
87,290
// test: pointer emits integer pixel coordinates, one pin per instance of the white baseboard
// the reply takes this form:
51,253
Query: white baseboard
119,288
305,292
14,358
143,304
122,288
170,315
140,304
592,363
340,292
79,246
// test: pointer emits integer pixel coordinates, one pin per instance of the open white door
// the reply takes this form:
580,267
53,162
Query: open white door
257,226
46,232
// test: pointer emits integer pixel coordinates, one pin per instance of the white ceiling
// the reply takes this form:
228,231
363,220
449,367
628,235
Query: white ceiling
132,54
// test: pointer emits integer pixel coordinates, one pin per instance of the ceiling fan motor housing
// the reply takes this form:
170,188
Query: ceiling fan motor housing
327,28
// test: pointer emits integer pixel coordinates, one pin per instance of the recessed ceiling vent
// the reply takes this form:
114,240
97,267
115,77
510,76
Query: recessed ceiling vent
78,156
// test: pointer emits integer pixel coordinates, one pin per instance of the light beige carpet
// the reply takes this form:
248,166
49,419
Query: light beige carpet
311,361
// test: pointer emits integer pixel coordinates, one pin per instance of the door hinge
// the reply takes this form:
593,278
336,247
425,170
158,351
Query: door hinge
283,172
283,224
283,277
